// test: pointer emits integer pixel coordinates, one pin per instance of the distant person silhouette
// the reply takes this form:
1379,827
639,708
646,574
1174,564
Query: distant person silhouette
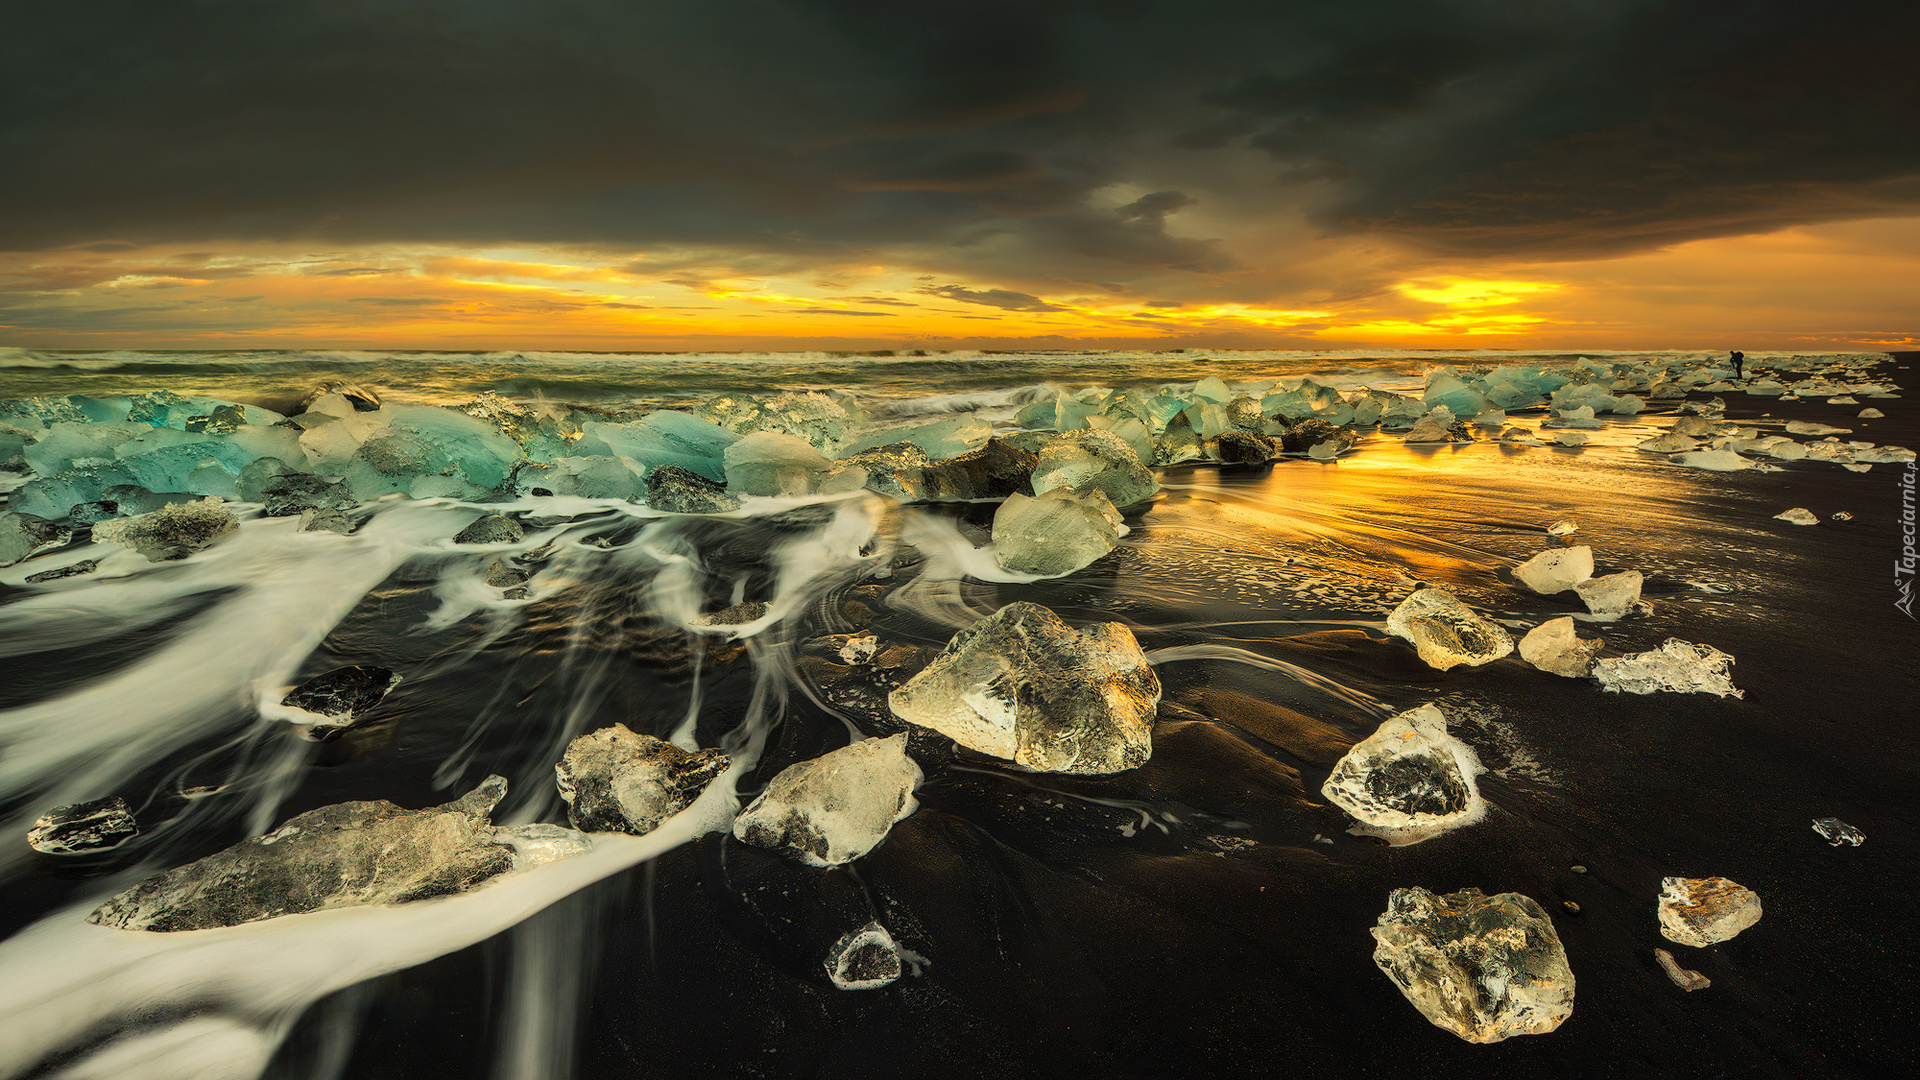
1739,359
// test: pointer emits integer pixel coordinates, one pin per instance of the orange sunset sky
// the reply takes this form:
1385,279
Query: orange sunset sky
875,176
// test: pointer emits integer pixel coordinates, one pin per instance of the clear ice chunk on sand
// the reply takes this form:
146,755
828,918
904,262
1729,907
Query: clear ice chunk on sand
1485,968
770,463
1446,632
835,808
614,780
1088,460
941,439
1837,832
1409,781
1556,570
1704,911
1799,516
1553,647
1612,596
1684,978
1056,533
864,959
1677,666
1023,686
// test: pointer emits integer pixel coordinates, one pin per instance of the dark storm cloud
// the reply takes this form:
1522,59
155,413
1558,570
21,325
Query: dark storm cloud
976,134
1005,299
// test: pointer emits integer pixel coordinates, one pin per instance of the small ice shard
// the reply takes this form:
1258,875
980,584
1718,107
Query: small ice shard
1702,911
1683,978
1612,596
491,529
1483,967
1799,516
1677,666
541,843
836,807
1410,780
1841,515
339,698
1562,527
1446,632
733,615
1554,647
82,827
1714,460
1023,686
1556,570
859,649
1838,832
1519,436
1570,438
1057,533
1871,414
1668,444
344,855
1806,427
174,531
614,780
22,536
864,959
1087,460
353,395
84,566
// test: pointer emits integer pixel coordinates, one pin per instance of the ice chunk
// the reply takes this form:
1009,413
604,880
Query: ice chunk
174,531
1807,427
1668,444
540,843
663,438
614,780
948,437
836,807
1871,414
1883,455
1702,911
22,536
1179,443
769,463
1714,460
1245,448
1434,427
1612,596
1446,632
1483,967
1212,389
84,566
864,959
1054,534
1554,647
1684,978
1410,780
1023,686
491,529
1133,432
598,477
1569,438
425,441
1563,527
82,827
1556,570
1838,832
68,444
1209,421
1057,412
674,490
1677,666
1245,414
1083,461
336,700
1799,516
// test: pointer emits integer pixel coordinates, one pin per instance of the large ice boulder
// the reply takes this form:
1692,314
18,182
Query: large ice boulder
1446,632
1088,460
672,489
662,438
941,440
1057,533
1483,967
1678,667
1023,686
906,472
344,855
174,531
1410,778
1556,570
810,415
1704,911
770,463
97,825
836,807
614,780
22,536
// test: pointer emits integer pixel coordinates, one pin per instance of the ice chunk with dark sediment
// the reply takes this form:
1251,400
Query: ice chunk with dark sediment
22,536
810,415
1088,460
83,827
836,807
84,566
1556,570
614,780
1668,443
1553,647
353,394
344,855
1703,911
662,438
1677,666
1485,968
770,463
1437,426
1446,632
941,440
675,490
1612,596
1023,686
1410,780
339,698
174,531
589,477
1056,533
491,529
1246,448
296,493
1684,978
1838,832
864,959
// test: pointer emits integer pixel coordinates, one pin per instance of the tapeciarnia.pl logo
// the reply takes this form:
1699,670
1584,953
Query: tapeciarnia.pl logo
1903,567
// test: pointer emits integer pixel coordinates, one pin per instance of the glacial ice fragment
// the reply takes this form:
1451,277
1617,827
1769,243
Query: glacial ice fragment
1677,666
1713,460
491,529
1087,460
662,438
1553,647
674,490
1799,515
1483,967
1702,911
1612,596
1556,570
174,531
1684,978
1054,534
1668,443
344,855
1807,427
22,536
614,780
1023,686
864,959
941,440
1563,527
1837,832
836,807
335,700
83,827
770,463
810,416
1410,778
1446,632
1871,414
